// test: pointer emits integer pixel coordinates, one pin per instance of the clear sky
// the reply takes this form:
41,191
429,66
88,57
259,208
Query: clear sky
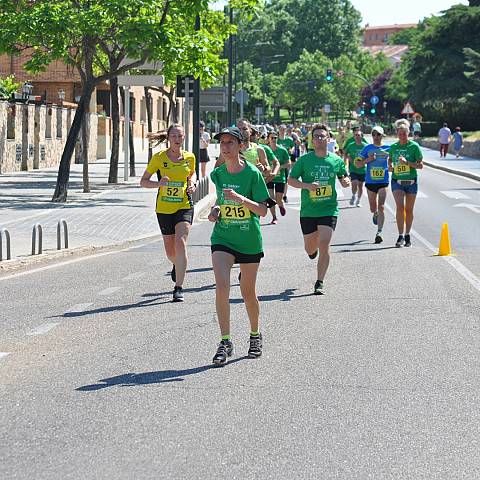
386,12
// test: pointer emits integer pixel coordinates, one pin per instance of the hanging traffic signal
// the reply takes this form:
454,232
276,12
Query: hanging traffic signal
373,110
329,75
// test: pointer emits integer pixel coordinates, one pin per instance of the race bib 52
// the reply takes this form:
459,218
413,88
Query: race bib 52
173,192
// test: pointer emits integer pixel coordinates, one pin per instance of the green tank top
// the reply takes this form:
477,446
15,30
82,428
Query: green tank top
251,154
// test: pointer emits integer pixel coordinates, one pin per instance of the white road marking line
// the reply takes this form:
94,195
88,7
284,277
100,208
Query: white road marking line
133,276
456,264
79,307
42,329
4,354
454,194
109,291
76,260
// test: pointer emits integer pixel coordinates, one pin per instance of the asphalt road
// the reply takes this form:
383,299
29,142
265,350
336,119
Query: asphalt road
101,376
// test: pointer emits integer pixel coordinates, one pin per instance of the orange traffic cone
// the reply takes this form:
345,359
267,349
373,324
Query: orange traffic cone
444,248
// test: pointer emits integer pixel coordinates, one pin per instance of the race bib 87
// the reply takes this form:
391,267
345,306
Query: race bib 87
323,191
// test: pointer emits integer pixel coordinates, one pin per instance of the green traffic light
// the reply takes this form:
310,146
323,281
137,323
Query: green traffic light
329,75
372,111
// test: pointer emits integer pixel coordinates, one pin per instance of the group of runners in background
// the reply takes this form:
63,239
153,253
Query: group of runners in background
255,167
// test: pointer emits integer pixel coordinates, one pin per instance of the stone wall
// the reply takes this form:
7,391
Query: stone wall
37,137
470,149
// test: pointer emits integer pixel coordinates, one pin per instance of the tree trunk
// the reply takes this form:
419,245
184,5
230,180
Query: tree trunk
148,104
85,141
61,189
115,115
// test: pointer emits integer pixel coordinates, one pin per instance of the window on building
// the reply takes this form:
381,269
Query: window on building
143,110
165,110
48,122
59,122
11,111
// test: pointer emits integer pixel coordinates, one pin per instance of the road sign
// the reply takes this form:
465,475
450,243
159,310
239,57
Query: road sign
407,109
213,99
258,111
374,100
242,97
140,80
327,108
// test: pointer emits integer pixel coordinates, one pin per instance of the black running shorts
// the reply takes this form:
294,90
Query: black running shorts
309,224
167,221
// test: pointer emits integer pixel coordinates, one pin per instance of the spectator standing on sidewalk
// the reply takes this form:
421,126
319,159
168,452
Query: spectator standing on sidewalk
204,142
417,129
444,137
175,168
457,141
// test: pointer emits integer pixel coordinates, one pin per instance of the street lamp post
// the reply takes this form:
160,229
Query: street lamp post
264,64
61,96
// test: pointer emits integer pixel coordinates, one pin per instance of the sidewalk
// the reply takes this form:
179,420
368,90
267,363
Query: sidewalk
465,166
109,215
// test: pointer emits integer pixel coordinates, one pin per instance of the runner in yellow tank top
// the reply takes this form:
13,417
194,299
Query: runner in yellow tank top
175,168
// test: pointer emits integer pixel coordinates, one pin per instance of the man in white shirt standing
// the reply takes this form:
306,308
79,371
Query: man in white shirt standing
444,137
204,141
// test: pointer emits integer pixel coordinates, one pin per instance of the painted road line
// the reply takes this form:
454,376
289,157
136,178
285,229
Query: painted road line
79,307
133,276
76,260
109,291
42,329
455,195
4,354
456,264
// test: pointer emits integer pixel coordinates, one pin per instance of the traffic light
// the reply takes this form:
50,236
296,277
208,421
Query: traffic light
329,75
373,110
362,111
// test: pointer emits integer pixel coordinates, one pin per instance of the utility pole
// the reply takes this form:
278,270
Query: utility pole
230,73
196,113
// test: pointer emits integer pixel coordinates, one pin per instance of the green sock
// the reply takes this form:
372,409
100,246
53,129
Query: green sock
226,337
254,334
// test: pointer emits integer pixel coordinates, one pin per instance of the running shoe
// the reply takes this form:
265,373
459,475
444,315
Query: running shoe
400,241
358,204
313,256
378,238
224,350
285,199
352,200
255,349
283,211
173,274
178,294
408,242
318,289
375,218
274,221
240,276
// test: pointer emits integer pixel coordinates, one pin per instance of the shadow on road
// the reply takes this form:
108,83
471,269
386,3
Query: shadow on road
149,378
374,249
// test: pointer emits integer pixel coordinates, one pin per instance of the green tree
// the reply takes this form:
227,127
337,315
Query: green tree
432,71
8,87
403,37
96,36
331,26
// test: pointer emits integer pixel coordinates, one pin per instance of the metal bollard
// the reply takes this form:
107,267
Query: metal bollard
37,228
62,223
5,232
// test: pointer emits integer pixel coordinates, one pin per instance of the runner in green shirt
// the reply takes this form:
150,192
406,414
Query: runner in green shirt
276,187
318,171
404,160
242,197
289,143
357,174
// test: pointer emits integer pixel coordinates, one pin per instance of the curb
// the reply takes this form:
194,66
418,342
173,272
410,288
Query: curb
461,173
56,256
